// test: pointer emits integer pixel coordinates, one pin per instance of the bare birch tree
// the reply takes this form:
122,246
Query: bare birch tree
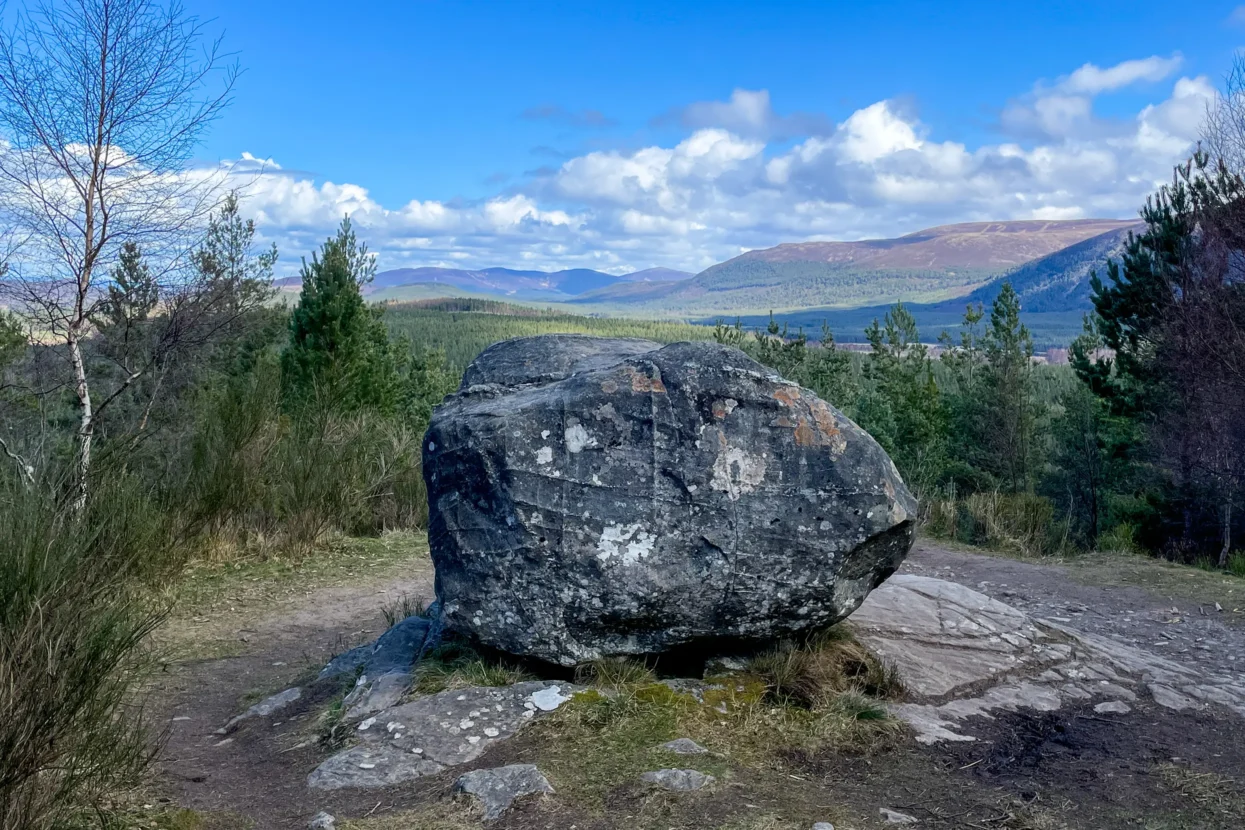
102,103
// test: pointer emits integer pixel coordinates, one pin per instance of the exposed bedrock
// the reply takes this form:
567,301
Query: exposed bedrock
594,497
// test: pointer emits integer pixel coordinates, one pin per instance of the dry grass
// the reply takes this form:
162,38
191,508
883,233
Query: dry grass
457,666
1212,793
445,815
214,600
832,664
823,694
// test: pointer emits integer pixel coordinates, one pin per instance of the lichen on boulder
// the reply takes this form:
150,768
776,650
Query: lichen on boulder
592,497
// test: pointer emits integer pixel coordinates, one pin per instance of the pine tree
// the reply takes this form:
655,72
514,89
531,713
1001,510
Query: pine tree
241,278
1009,407
339,353
1165,348
903,408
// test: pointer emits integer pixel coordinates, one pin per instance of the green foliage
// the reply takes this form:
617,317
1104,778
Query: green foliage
1165,350
1010,411
902,406
12,338
339,351
74,613
240,277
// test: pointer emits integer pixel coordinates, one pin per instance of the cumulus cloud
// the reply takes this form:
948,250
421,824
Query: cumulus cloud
728,185
748,113
1065,108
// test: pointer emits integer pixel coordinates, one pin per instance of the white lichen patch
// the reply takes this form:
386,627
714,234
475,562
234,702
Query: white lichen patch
544,455
630,543
736,471
577,438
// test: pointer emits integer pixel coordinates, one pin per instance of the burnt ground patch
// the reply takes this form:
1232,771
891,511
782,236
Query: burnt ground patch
1151,768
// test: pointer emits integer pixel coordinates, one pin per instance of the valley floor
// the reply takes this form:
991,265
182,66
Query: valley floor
254,631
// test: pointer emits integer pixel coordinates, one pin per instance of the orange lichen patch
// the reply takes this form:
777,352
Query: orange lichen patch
821,430
782,421
805,435
724,407
641,382
787,395
609,387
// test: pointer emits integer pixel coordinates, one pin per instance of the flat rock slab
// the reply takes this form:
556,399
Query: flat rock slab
443,730
684,746
370,766
678,779
962,654
498,788
263,709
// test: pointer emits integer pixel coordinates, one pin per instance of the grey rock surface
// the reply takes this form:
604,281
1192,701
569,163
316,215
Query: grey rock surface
962,654
595,497
263,709
374,694
684,746
498,788
397,650
823,825
678,779
322,821
369,766
890,816
431,733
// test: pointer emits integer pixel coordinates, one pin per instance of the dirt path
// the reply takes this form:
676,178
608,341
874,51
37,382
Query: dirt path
234,781
256,777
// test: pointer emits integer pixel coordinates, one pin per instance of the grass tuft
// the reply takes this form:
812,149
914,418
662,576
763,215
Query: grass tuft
456,666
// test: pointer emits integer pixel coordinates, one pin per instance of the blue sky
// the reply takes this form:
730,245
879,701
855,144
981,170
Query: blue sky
633,134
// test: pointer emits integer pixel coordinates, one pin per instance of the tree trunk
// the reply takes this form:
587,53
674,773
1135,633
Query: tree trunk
1226,550
86,427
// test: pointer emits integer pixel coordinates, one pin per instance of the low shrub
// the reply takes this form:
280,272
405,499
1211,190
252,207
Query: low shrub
75,612
1022,523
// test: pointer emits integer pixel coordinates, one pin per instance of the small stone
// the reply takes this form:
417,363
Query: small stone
890,816
498,788
823,825
548,699
322,821
1113,707
264,708
678,779
684,746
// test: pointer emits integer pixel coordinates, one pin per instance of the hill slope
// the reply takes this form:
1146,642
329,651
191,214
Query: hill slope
928,265
1059,281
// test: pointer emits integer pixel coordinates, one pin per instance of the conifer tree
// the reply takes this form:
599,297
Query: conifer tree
339,352
1009,408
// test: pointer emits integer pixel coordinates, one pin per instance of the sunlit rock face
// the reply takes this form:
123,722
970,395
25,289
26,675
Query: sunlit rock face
593,497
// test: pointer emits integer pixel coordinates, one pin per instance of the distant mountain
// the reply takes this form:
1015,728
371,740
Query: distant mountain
1054,295
938,268
545,286
657,275
928,265
1059,281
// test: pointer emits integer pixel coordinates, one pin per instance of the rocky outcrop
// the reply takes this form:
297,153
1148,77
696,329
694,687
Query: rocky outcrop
962,655
593,497
496,789
433,733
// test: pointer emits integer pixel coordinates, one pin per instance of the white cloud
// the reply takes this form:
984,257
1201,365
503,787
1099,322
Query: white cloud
720,190
1094,80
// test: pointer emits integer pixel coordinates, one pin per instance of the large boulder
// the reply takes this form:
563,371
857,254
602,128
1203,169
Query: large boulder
592,497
